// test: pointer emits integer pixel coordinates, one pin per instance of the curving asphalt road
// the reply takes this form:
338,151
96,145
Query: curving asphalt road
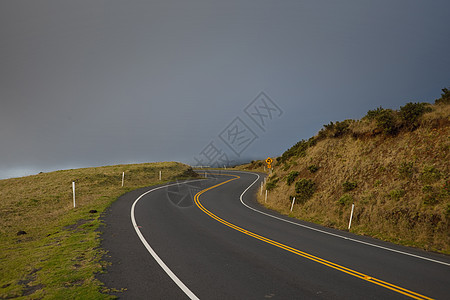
213,241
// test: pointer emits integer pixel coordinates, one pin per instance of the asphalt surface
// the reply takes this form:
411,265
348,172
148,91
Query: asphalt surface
216,261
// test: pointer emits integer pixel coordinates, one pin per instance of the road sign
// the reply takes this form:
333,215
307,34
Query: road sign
269,162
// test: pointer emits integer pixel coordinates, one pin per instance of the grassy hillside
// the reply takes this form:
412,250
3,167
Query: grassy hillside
393,165
48,249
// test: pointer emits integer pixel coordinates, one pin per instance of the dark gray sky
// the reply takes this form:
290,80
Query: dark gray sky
90,83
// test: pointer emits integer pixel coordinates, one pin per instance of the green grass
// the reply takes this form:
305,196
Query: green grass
59,255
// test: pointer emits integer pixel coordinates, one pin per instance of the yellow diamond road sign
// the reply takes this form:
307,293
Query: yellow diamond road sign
269,160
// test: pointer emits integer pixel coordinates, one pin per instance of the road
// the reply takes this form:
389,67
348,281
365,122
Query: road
210,239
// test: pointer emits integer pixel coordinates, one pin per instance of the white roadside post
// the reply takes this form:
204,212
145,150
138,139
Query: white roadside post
123,177
265,199
292,206
351,216
73,191
159,175
261,188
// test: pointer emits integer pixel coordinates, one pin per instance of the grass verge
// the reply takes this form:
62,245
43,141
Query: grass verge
50,250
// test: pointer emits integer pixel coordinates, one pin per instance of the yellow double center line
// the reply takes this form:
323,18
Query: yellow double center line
319,260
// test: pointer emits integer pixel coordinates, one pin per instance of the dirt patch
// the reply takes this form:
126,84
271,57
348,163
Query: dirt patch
77,225
30,289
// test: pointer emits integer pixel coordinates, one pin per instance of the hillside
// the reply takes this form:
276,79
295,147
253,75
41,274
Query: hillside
392,164
48,248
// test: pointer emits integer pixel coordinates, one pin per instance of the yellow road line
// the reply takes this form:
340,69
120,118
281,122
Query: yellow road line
319,260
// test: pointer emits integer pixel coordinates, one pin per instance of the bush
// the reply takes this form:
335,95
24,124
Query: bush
304,189
411,112
396,194
312,142
447,211
291,177
313,168
430,199
446,188
271,184
373,114
445,97
335,129
386,122
345,200
298,149
427,189
406,170
349,186
342,128
430,174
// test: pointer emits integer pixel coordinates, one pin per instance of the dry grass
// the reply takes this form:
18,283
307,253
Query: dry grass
59,255
402,183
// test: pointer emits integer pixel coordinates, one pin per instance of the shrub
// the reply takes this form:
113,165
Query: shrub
341,128
298,149
411,112
396,194
335,129
446,188
313,168
291,177
304,189
430,174
345,200
271,184
427,189
312,142
406,170
447,211
386,122
430,199
445,97
349,186
373,114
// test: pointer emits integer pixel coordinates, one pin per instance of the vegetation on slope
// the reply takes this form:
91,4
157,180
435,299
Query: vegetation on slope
392,164
50,250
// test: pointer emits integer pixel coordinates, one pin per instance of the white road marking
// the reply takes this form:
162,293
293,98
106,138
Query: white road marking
329,233
166,269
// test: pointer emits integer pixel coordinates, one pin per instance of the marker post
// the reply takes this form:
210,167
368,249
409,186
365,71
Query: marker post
73,191
351,216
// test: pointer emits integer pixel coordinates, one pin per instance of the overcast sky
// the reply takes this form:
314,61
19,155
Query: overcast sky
91,83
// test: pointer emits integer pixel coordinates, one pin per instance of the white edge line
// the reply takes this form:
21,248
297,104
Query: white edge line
329,233
166,269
